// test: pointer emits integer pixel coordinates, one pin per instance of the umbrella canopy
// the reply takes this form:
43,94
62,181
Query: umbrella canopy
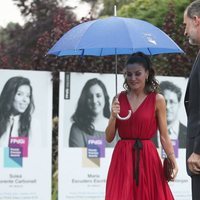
114,36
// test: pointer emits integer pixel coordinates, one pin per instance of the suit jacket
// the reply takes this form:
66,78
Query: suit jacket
192,106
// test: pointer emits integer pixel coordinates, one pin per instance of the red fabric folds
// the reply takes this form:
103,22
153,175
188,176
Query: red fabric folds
152,184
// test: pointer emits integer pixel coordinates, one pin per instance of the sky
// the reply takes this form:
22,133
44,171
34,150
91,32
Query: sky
9,12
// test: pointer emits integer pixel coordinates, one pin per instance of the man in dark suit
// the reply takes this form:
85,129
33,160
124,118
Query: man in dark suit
176,129
192,99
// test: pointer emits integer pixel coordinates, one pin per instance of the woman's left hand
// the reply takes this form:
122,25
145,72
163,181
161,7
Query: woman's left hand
175,171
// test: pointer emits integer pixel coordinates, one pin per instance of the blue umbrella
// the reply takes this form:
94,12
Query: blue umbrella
114,36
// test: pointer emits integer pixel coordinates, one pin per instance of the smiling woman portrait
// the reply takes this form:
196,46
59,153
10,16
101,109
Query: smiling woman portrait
91,115
16,107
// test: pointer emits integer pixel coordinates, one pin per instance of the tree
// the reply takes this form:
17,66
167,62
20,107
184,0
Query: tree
153,11
176,64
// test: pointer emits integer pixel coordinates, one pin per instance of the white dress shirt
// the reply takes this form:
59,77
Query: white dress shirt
173,130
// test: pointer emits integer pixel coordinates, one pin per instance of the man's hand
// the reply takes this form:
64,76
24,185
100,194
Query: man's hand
194,163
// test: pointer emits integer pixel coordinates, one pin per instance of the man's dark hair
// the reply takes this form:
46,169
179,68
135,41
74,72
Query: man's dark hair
168,85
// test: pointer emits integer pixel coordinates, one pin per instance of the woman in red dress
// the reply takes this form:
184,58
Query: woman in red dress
136,171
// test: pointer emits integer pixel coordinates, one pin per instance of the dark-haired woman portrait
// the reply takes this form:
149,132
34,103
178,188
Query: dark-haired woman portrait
136,171
91,115
16,107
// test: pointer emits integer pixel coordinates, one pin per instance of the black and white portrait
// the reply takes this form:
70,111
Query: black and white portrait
173,95
16,107
91,115
85,107
22,110
173,90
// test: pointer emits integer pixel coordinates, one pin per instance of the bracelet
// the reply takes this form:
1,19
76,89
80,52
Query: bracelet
170,154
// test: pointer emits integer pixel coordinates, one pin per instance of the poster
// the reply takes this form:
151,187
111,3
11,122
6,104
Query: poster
84,160
26,129
83,169
173,89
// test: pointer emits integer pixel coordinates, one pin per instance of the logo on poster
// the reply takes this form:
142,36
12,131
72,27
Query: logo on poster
96,147
15,152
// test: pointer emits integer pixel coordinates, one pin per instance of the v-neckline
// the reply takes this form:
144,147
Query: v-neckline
133,112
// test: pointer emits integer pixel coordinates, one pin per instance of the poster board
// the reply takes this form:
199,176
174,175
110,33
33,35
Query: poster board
25,160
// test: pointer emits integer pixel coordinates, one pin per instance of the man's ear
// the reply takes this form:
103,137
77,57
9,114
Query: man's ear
196,20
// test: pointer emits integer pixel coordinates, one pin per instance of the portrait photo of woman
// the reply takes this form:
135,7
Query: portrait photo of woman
16,107
26,107
91,115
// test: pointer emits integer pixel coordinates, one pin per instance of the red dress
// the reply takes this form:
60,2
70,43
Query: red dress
136,171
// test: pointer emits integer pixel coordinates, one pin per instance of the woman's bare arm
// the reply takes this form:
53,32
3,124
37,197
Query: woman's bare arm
164,136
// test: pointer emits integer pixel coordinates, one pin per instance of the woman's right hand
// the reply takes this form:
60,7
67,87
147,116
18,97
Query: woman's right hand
111,128
115,109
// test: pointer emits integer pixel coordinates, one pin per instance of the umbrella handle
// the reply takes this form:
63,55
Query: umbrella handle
125,118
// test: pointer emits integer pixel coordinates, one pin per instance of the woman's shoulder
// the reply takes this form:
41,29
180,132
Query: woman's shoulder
77,138
75,129
160,100
159,97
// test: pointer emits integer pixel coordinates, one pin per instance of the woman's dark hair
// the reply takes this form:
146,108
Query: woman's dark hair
151,84
6,105
83,116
